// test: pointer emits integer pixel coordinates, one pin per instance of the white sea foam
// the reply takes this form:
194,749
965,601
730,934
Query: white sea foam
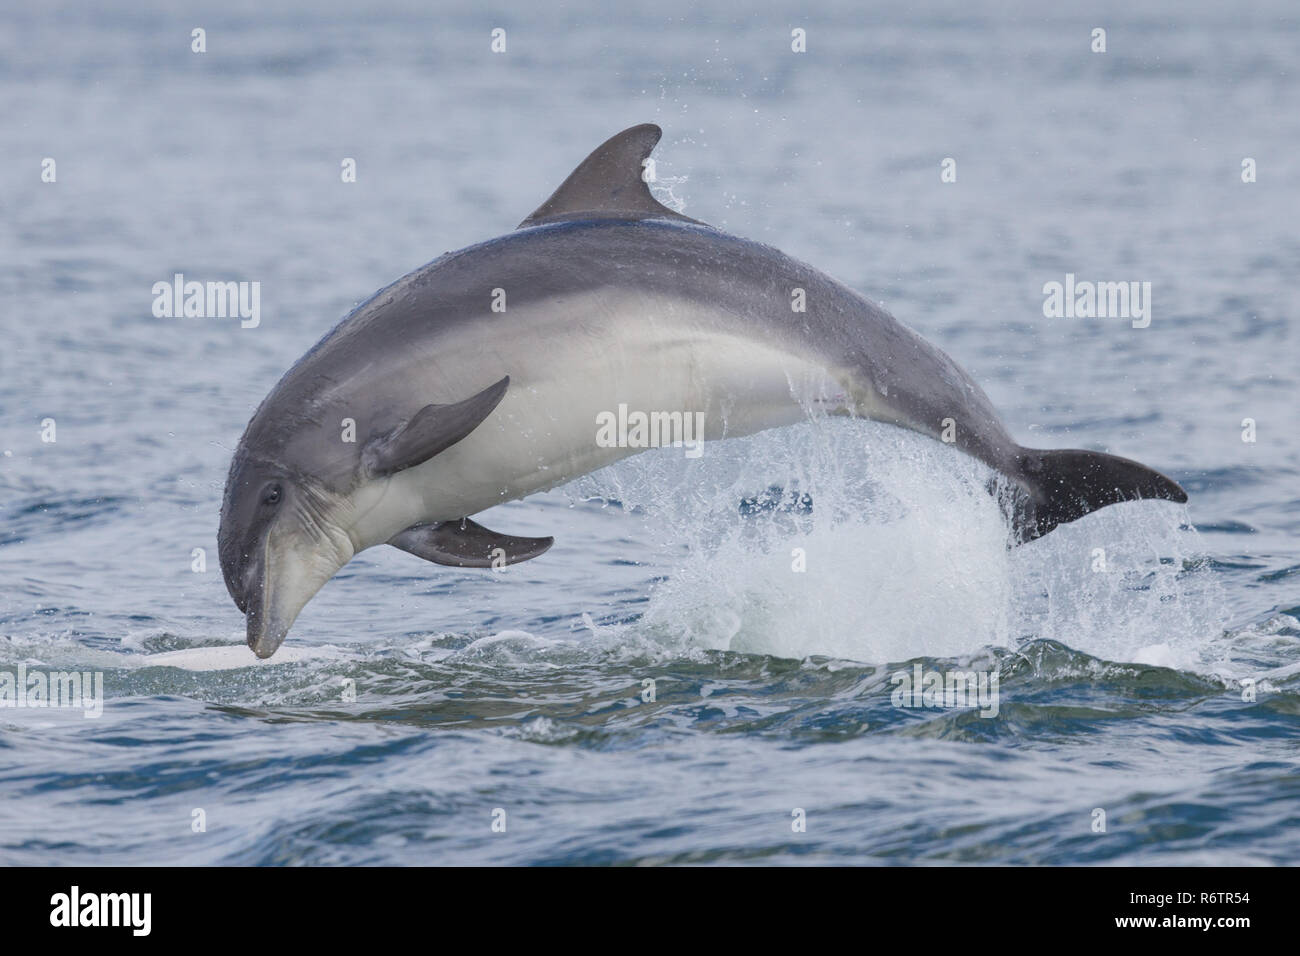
905,554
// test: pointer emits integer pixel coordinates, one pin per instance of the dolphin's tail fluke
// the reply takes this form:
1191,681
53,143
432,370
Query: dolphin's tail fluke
1059,486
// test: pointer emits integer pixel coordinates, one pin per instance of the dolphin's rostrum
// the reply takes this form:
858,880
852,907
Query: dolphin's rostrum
610,299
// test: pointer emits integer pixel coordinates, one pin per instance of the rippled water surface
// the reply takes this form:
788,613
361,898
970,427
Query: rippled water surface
411,702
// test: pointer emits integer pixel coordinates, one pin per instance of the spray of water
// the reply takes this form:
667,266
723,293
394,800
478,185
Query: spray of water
902,554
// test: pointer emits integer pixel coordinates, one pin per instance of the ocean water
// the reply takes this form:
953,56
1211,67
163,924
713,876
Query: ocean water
662,686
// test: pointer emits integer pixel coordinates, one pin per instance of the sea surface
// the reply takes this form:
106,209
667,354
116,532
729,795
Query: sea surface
664,686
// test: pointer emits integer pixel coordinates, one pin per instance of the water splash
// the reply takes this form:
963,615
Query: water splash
904,554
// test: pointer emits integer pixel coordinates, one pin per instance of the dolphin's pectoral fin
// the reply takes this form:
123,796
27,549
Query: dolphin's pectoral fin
609,184
432,429
466,544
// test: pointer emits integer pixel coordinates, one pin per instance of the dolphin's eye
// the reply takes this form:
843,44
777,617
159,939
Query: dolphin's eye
272,495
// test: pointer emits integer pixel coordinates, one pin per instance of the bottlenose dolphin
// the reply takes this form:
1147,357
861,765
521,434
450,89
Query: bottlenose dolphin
482,378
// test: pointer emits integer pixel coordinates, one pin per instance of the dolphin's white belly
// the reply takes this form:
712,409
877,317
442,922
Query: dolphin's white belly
663,359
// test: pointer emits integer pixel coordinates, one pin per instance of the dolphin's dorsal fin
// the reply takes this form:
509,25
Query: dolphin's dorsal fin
608,184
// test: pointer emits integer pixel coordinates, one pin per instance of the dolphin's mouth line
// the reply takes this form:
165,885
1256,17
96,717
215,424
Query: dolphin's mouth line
257,616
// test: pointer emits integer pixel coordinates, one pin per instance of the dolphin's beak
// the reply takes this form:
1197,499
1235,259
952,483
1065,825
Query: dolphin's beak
279,585
266,629
265,639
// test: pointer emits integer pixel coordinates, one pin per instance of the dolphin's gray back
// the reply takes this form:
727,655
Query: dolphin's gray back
598,281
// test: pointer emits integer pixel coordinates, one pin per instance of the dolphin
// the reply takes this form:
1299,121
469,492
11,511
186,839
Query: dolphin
490,374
